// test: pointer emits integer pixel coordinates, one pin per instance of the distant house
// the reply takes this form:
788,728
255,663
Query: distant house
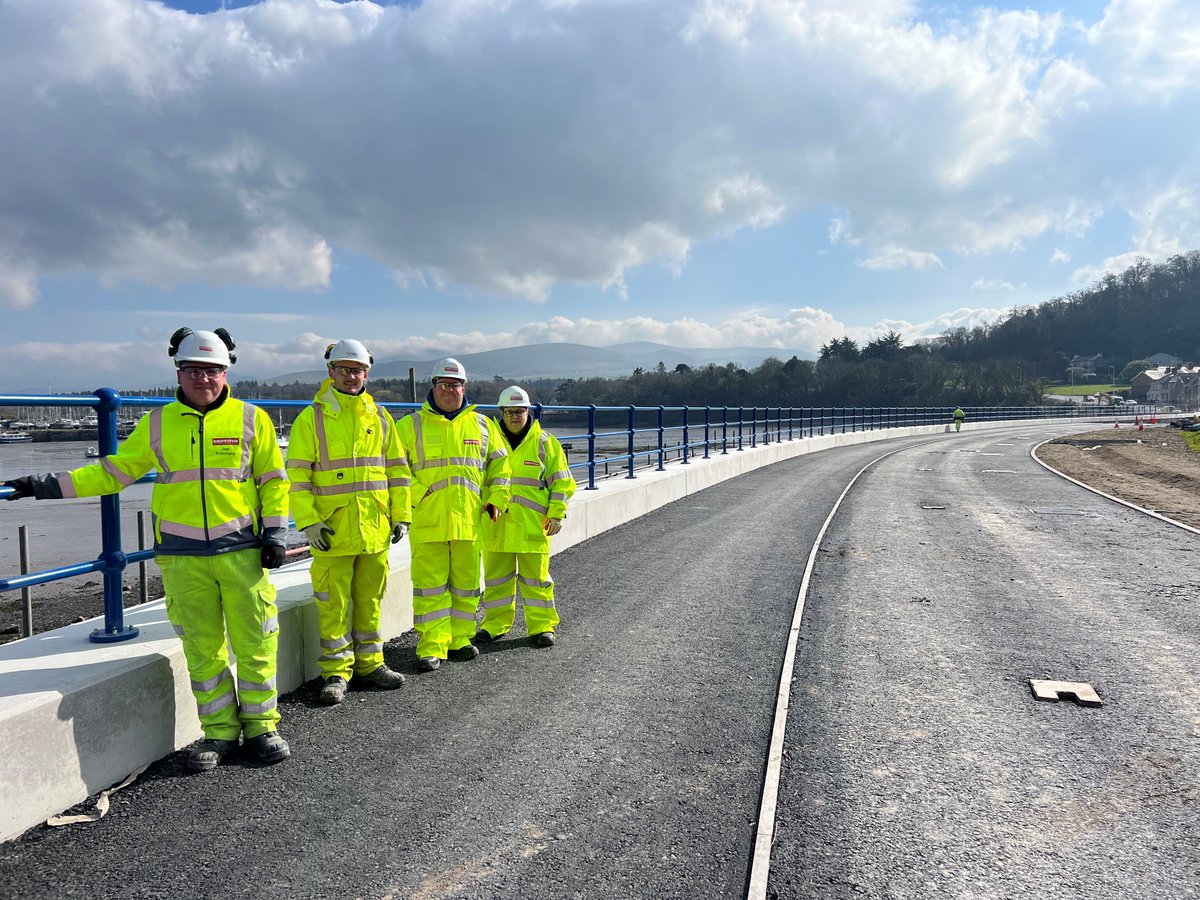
1164,359
1176,385
1090,364
1143,383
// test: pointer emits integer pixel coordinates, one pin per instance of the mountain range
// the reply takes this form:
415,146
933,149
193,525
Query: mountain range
565,361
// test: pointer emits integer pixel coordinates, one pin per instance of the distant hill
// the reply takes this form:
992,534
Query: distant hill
566,361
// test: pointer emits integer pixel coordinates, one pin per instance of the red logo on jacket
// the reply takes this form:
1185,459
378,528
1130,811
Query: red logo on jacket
226,442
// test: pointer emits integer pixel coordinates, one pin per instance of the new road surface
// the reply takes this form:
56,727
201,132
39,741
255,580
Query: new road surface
631,759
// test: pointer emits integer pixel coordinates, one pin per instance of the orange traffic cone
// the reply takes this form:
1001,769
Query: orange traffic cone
1153,419
1116,424
1140,426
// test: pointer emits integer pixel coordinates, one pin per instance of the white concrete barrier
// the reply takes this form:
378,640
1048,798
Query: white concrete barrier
77,717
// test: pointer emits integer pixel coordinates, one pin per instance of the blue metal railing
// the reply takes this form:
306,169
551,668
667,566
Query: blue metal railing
663,431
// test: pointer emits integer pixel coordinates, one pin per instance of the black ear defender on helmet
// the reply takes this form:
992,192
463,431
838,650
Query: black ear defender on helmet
228,342
329,350
176,339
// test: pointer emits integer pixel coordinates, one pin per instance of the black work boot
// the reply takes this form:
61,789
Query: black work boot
544,639
269,747
333,691
383,679
208,753
429,664
464,653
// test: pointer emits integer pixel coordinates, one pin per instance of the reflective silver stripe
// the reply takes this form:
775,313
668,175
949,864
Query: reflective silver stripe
399,482
463,592
497,454
178,629
181,475
542,439
501,480
431,464
299,463
210,684
499,603
541,604
336,643
191,531
213,705
274,521
528,482
249,413
443,613
534,582
383,425
397,461
496,582
483,434
321,595
156,442
467,614
418,438
319,428
430,592
558,495
352,487
368,648
468,461
529,504
259,708
270,476
465,482
348,462
559,476
268,685
343,654
111,468
271,625
297,485
66,485
368,636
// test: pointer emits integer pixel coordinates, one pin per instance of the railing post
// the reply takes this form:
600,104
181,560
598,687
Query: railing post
686,461
707,411
661,456
143,588
724,430
741,418
753,426
632,413
26,593
591,447
791,421
110,532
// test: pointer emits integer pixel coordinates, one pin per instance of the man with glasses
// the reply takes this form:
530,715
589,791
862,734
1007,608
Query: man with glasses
457,464
344,465
516,548
220,509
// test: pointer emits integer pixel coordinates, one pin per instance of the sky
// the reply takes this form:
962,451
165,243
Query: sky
466,175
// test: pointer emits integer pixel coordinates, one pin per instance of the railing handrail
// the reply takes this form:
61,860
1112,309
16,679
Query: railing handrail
750,429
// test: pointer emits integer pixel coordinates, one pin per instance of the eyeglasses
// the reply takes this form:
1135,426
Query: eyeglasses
350,371
514,411
202,374
450,385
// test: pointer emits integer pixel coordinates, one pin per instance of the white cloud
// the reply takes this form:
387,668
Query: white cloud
1060,256
892,257
993,285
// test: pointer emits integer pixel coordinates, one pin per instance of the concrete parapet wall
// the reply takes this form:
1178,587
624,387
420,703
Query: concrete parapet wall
77,717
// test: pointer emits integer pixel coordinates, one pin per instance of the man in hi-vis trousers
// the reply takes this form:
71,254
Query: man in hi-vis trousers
516,547
343,462
458,464
220,519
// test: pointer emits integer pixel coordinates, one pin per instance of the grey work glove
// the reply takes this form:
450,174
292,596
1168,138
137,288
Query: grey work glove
552,527
316,534
22,487
399,530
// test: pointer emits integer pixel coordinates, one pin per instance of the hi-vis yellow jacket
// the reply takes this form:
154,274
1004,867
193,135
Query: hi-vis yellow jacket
344,464
541,486
456,466
221,484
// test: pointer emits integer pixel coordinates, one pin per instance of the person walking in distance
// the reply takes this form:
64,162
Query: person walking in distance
457,463
220,509
959,415
516,547
343,461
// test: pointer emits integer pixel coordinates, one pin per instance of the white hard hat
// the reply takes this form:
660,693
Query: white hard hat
449,368
513,396
349,351
212,347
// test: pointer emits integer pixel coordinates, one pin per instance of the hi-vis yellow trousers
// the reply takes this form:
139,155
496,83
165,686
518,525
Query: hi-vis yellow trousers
349,590
445,576
501,573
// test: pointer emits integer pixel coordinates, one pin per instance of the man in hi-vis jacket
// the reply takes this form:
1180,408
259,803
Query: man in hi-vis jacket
458,465
220,508
343,462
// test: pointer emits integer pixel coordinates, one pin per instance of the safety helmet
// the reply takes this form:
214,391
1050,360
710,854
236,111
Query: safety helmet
449,368
212,347
349,350
513,396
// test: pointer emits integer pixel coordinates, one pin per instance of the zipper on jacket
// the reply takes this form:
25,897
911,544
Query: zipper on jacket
203,494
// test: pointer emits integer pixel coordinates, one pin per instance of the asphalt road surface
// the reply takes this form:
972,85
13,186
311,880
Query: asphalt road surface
919,763
627,761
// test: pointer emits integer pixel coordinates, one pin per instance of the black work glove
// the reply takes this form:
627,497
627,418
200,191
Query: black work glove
272,556
492,512
22,487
